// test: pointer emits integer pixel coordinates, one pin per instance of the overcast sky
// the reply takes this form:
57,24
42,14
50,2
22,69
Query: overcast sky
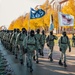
12,9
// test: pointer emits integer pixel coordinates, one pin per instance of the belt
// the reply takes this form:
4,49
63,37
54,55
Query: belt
64,43
50,40
30,44
21,39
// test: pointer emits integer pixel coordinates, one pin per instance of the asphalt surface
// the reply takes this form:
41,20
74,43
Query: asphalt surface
45,67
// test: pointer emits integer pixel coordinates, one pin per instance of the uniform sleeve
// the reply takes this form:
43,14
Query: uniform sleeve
47,39
55,37
69,43
43,37
12,38
38,46
17,39
25,42
59,42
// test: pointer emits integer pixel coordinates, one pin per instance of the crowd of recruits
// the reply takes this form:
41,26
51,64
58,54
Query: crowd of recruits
21,42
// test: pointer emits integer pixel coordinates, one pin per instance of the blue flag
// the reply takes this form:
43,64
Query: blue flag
36,13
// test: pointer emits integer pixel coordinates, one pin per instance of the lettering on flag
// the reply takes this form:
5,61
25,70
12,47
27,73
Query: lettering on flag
36,13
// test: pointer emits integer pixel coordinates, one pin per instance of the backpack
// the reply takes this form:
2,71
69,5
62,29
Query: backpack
63,42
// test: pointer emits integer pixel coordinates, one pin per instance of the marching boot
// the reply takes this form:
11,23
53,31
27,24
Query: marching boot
42,54
65,65
13,52
16,56
21,61
50,57
31,70
37,61
27,65
60,63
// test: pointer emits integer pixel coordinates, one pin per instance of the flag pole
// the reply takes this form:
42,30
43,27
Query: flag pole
46,8
28,26
59,9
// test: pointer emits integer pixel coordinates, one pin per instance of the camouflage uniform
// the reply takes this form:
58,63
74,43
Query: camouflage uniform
63,45
10,35
43,37
73,40
4,38
13,39
50,43
38,38
1,35
19,44
7,39
30,44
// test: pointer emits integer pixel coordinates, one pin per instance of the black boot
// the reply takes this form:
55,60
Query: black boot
31,70
27,65
65,65
37,61
13,52
42,54
60,63
21,61
51,59
16,56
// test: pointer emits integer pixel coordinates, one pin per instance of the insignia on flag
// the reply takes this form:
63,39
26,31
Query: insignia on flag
36,13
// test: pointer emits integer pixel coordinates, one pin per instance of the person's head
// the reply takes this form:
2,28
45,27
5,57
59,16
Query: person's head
24,30
43,32
64,33
51,32
7,31
17,30
32,33
38,31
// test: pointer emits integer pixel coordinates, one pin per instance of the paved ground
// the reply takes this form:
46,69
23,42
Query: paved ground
45,67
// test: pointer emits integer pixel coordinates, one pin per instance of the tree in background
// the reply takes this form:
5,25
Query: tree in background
44,22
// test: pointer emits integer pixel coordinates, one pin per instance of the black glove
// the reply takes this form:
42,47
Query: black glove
25,50
60,49
69,49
